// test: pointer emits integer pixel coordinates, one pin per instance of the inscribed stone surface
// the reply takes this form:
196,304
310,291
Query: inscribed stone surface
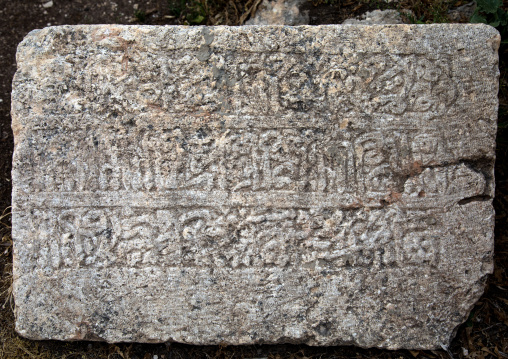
321,185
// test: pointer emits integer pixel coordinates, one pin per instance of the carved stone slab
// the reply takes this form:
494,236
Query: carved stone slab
321,185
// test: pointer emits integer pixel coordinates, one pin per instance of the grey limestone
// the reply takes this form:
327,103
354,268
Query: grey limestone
379,17
260,184
280,12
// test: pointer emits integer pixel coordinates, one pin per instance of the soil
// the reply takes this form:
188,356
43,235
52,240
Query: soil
484,335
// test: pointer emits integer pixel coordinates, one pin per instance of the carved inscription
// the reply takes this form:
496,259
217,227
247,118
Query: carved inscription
148,159
234,238
319,185
327,160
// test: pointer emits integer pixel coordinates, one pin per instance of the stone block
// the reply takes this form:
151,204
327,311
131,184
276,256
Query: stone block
263,184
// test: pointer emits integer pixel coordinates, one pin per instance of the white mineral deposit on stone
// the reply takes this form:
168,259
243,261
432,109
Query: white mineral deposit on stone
263,184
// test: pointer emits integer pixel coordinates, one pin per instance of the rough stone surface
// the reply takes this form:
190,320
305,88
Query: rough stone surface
280,12
321,185
377,17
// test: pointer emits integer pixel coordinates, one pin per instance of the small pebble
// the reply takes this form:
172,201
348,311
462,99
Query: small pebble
47,4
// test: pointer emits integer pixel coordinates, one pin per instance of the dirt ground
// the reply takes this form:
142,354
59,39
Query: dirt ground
484,335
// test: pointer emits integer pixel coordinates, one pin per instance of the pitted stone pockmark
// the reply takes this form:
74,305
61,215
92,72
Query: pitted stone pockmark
321,185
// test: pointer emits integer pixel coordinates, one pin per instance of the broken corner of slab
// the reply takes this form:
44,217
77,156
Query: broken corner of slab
327,185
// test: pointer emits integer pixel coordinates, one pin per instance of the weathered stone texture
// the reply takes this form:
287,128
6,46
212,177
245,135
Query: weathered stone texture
321,185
